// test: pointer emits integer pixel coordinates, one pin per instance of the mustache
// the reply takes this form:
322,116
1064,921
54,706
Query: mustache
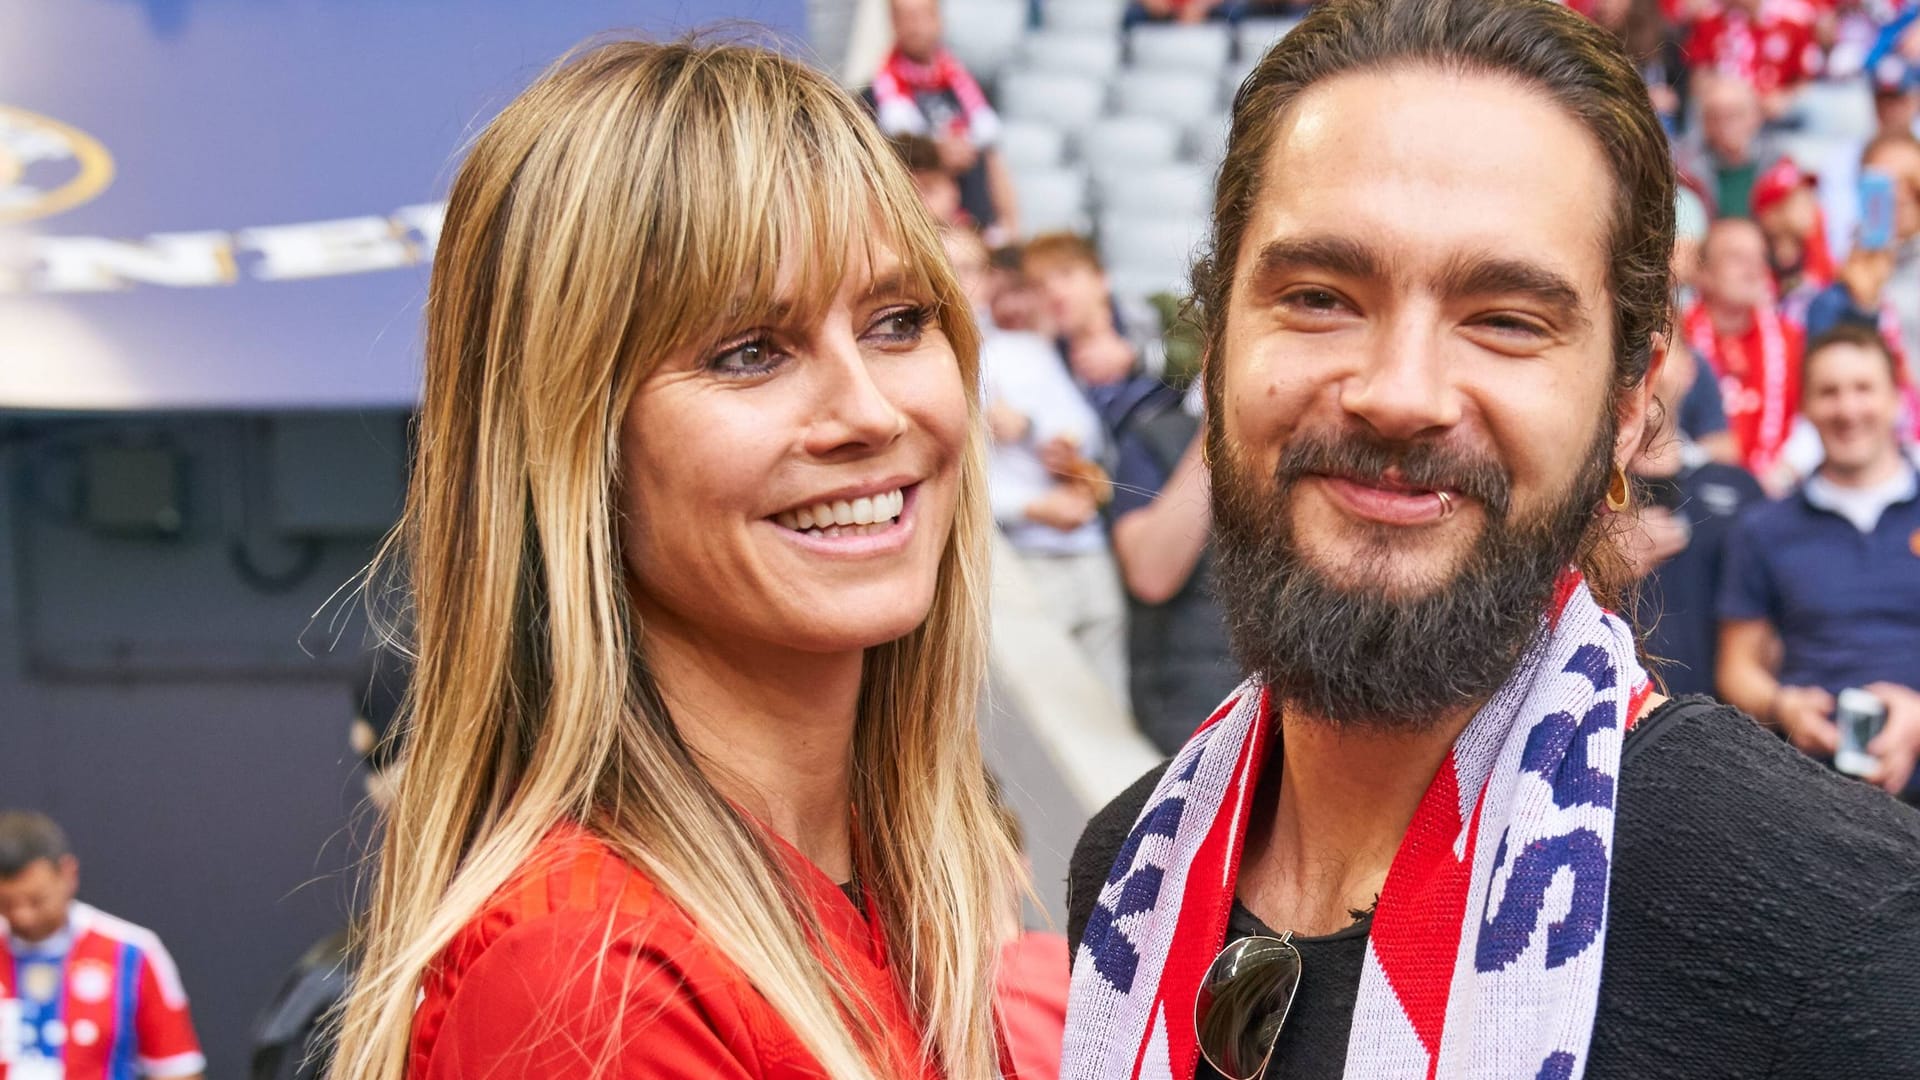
1366,459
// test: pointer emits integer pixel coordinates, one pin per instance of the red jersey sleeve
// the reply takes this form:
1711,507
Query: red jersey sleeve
575,994
166,1045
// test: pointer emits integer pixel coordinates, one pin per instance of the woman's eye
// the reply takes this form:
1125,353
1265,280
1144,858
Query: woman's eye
903,325
747,358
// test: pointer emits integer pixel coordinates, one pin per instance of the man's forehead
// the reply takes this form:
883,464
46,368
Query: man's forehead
1430,168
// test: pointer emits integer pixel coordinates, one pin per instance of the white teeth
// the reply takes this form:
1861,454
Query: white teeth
855,517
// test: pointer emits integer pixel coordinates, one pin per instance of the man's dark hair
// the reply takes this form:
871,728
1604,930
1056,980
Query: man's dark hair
1855,334
1568,58
26,837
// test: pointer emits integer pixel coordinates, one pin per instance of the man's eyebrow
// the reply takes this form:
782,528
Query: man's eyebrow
1492,275
1331,254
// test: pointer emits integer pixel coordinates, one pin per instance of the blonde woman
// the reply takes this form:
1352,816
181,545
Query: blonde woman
696,539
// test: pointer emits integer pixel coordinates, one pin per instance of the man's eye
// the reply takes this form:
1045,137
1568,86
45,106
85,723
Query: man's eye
1314,300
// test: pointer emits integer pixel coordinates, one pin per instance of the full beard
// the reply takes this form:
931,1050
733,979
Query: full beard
1374,655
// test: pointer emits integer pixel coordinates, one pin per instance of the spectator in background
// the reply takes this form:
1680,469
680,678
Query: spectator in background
922,89
1045,490
1690,503
1828,579
937,187
1107,336
1178,11
87,995
1882,288
1018,304
1769,45
1730,152
1178,653
1788,213
1896,94
1752,351
1652,42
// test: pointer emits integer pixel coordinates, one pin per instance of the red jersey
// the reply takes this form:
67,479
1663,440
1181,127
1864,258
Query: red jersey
100,1000
1775,51
1031,995
1759,376
579,964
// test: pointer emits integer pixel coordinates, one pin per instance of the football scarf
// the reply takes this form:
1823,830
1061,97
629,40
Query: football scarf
901,86
1483,959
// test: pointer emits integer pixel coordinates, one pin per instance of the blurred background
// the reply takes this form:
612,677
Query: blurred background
216,223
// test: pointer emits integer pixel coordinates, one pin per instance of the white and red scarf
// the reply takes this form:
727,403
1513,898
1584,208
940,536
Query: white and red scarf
1484,955
902,82
1760,404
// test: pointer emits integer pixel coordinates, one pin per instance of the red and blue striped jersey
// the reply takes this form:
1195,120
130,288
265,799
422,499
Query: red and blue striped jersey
101,1000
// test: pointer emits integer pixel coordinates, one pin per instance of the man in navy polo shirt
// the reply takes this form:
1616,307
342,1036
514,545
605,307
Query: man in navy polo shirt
1828,579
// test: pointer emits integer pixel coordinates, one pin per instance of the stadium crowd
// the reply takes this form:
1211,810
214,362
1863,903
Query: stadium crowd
1777,525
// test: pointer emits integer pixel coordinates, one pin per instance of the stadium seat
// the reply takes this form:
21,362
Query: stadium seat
1072,52
1147,249
1090,16
1141,284
1181,97
1199,48
1206,138
1258,35
1174,190
1032,144
1068,101
1052,200
985,34
1128,142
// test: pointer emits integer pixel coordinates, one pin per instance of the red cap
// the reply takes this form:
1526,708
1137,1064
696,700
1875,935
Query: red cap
1778,182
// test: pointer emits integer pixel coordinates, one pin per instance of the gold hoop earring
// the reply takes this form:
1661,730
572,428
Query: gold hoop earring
1619,492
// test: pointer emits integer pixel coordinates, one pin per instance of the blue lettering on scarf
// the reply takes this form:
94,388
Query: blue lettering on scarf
1558,1066
1506,935
1557,750
1114,956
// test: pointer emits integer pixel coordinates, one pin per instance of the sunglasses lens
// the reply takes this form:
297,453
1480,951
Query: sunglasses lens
1244,998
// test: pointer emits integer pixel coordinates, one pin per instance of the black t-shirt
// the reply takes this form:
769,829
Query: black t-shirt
1764,917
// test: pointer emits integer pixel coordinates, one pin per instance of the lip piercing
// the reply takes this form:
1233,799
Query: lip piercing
1446,505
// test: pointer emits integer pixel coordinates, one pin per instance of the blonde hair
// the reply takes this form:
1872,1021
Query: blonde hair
627,205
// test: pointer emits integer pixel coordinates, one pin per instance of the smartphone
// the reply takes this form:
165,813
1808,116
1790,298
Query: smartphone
1876,210
1859,715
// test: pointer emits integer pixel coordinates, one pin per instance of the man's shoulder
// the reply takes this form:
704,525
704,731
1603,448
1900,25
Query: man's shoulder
1714,805
1100,844
1772,517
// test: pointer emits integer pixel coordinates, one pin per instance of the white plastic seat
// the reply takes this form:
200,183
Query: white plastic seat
1202,47
1180,97
1052,200
1144,250
1066,101
1163,191
984,34
1032,144
1076,52
1092,16
1128,142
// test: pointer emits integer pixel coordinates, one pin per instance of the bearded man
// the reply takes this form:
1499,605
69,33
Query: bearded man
1449,828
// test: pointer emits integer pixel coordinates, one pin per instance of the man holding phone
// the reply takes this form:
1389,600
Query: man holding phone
1828,579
